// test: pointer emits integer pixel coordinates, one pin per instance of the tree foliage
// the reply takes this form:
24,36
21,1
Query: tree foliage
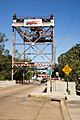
71,58
5,59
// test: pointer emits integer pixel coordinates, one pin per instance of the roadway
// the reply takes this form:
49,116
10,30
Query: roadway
15,104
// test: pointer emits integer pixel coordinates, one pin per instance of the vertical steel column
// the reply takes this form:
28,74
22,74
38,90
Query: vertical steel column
24,51
52,48
54,55
12,52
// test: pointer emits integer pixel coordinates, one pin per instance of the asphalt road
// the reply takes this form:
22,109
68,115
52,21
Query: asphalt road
16,105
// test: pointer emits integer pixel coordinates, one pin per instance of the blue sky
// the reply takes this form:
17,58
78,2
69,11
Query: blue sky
66,13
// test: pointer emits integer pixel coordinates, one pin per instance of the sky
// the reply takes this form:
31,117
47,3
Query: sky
66,14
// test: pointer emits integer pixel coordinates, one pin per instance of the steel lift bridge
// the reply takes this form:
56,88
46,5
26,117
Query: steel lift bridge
32,42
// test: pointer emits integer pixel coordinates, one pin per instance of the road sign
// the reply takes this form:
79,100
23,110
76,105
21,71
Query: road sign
50,71
67,69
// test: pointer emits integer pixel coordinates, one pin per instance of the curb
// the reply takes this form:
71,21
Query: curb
64,111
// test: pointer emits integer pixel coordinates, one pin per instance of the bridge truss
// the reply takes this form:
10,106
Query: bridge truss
32,42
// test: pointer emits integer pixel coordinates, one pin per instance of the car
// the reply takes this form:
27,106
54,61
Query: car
44,80
39,78
34,77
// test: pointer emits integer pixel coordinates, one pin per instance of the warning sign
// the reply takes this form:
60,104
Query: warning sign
67,69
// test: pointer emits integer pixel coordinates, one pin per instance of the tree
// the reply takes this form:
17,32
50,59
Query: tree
72,58
5,59
29,75
3,39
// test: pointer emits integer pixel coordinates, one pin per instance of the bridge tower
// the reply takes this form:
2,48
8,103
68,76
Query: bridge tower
32,42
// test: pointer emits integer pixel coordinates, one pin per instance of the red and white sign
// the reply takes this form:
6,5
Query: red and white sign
33,22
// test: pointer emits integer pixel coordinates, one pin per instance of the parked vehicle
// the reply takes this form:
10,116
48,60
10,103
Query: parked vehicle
44,80
34,77
39,78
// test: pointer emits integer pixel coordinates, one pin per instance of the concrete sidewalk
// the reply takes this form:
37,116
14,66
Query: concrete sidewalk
7,83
